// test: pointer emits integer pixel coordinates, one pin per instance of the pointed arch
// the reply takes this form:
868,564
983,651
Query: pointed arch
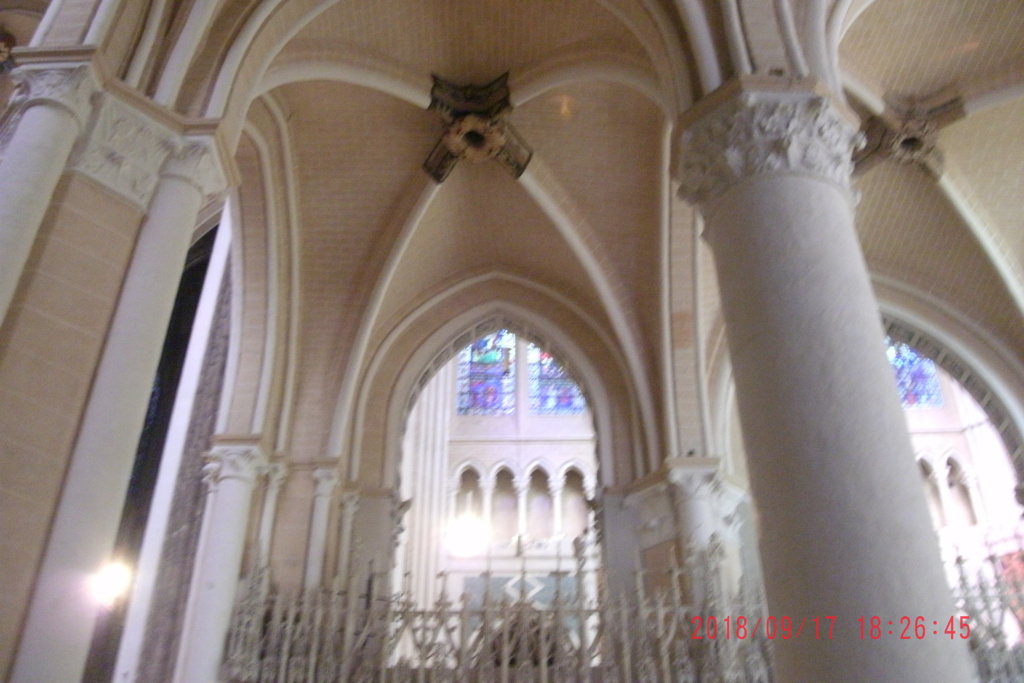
414,350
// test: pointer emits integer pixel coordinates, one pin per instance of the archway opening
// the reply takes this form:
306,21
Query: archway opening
501,440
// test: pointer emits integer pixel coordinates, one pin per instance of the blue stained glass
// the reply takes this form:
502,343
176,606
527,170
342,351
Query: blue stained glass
916,378
487,375
552,390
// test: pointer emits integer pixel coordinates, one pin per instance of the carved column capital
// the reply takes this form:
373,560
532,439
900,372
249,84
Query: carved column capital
244,462
195,160
694,482
124,150
751,132
326,479
277,472
349,501
69,87
521,484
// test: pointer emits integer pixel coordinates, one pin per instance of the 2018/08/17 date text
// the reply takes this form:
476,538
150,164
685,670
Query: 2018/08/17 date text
786,628
740,628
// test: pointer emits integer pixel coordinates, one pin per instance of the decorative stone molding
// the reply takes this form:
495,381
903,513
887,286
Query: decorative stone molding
761,133
124,150
243,462
902,137
477,128
326,479
195,161
349,502
694,483
277,472
68,87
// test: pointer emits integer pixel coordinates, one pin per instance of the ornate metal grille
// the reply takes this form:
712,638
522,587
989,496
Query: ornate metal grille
362,633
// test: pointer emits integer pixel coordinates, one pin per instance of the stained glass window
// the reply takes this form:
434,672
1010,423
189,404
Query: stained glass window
916,378
487,375
552,390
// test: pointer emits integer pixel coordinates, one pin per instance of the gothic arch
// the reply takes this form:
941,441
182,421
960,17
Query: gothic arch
407,360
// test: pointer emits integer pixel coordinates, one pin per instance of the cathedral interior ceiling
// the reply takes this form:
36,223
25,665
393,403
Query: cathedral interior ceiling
916,55
595,87
600,140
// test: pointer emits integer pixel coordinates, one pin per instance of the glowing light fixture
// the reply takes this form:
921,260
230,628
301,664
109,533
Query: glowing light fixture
111,583
468,536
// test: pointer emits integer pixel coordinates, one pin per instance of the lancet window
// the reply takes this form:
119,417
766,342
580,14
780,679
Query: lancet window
916,379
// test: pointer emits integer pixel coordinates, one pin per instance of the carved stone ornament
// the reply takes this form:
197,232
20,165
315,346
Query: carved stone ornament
70,88
759,133
277,472
349,502
194,160
326,479
244,462
477,128
694,483
903,138
124,150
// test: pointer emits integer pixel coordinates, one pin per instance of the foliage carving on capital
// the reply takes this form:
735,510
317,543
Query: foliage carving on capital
277,472
761,134
194,160
244,462
694,483
349,500
326,479
124,151
70,88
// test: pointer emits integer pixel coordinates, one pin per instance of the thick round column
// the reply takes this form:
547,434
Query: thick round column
59,627
844,529
55,107
231,476
326,480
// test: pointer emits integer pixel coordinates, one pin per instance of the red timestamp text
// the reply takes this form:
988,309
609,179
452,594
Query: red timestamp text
741,628
914,628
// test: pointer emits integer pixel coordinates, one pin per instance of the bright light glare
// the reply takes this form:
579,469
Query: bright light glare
468,536
111,583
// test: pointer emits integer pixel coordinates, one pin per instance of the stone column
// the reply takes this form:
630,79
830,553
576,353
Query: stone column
844,528
231,476
349,508
326,479
487,495
51,110
557,523
692,489
276,476
522,484
692,486
58,629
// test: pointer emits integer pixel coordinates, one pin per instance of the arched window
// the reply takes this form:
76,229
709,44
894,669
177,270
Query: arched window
961,507
504,507
931,490
487,375
539,520
552,390
469,500
915,376
574,504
